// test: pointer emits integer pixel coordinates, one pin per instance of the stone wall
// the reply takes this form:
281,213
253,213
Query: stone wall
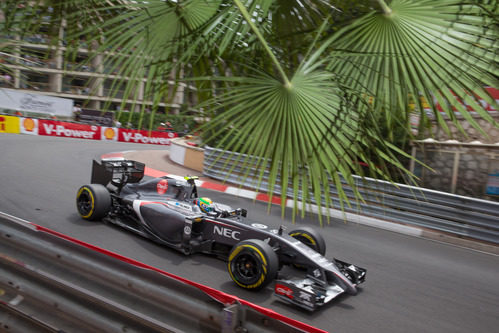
462,164
472,134
461,170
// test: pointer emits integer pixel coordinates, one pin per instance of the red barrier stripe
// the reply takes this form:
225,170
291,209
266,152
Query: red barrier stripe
214,293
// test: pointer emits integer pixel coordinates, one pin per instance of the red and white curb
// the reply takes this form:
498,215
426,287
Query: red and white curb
253,195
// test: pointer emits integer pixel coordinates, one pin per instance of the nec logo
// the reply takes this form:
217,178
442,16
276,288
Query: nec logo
226,232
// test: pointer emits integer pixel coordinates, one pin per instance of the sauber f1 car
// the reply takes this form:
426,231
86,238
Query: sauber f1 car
169,211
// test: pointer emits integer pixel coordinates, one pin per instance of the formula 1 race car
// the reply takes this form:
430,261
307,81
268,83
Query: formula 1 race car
169,211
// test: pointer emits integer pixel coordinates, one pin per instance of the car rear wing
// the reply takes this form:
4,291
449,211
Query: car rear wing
117,172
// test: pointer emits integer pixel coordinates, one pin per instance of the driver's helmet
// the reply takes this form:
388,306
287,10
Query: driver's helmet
205,204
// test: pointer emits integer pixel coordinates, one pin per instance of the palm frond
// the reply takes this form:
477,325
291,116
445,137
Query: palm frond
442,52
307,132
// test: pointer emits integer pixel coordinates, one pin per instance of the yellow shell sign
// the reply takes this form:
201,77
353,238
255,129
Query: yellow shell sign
9,124
109,133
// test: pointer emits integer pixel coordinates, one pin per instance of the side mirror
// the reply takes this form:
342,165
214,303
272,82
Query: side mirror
244,212
212,214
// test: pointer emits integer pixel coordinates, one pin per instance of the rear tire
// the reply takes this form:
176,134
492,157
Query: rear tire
310,237
93,202
253,264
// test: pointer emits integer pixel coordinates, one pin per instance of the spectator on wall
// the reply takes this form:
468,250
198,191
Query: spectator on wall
76,112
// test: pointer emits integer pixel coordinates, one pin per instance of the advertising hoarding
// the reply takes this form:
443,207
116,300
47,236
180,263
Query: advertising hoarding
9,124
35,103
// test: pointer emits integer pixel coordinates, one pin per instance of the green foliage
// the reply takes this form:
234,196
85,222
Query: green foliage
421,48
313,87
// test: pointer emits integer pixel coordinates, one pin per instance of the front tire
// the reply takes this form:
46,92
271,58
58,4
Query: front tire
253,264
310,237
93,202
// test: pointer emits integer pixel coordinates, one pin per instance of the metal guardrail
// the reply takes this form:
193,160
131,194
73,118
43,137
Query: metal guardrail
52,283
462,216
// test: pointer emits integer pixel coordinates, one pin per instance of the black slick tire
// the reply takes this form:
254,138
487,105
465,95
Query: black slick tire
93,202
253,264
310,237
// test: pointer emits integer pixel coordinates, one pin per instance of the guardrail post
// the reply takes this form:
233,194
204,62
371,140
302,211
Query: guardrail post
455,171
233,319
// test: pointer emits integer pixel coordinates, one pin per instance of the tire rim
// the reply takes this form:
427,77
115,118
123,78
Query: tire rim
246,268
84,203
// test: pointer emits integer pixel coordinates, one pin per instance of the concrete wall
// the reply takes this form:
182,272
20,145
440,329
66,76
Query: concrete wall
186,155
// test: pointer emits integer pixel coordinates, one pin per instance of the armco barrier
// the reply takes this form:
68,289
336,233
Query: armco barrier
461,216
50,282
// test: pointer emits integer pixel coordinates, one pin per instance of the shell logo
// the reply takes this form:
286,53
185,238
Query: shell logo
29,124
109,133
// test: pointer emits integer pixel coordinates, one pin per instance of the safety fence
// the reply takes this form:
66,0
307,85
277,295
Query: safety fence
50,282
458,215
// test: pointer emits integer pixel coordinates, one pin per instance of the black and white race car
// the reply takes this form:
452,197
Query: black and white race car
169,211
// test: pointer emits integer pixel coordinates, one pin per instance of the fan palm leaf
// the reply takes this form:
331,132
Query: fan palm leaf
304,128
439,52
302,101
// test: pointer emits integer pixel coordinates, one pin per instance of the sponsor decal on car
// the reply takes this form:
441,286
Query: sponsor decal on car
180,205
259,225
283,290
306,299
226,232
162,186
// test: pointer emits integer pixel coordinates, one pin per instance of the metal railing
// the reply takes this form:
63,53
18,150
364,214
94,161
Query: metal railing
50,282
461,216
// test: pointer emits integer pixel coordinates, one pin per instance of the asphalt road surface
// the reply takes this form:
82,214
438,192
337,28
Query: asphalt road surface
412,285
